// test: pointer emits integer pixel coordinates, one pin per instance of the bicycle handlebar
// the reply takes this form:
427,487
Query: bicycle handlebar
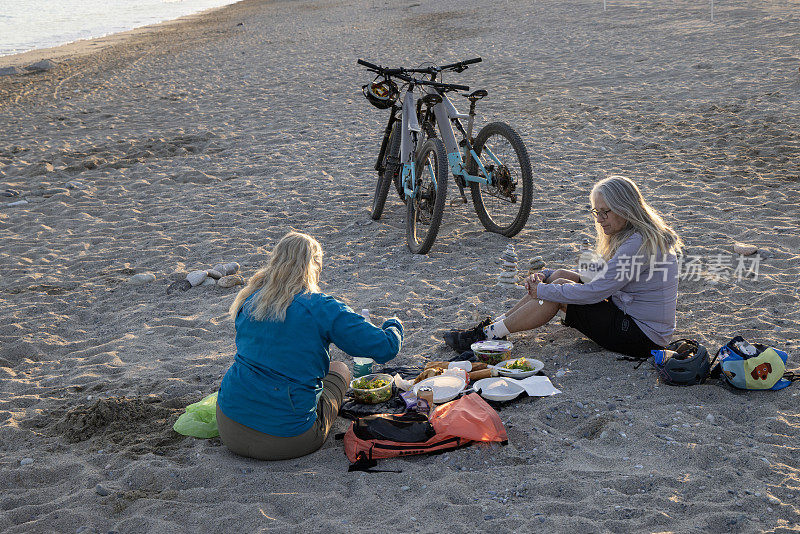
399,73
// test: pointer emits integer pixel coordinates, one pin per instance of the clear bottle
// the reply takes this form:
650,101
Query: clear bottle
363,366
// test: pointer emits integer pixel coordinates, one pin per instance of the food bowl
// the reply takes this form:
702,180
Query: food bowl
492,351
519,367
365,394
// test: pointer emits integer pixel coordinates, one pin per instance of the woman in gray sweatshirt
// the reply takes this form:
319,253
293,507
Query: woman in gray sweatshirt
628,306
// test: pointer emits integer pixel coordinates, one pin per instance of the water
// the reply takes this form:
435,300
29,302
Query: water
31,24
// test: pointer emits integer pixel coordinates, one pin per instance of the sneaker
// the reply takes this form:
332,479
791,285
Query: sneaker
462,340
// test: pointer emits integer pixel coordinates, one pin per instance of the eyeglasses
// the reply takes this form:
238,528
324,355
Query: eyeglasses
600,215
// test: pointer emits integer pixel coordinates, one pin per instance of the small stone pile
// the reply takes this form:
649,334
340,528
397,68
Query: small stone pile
508,265
221,275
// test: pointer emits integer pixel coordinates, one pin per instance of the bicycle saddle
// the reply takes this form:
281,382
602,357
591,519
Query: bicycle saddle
477,95
431,100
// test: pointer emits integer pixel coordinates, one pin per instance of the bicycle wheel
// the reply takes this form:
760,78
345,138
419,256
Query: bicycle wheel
500,206
391,167
424,213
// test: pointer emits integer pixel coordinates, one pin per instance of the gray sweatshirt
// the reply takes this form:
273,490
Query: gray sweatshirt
645,290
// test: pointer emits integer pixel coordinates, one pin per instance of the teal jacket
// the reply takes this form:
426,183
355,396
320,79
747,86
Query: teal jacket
276,378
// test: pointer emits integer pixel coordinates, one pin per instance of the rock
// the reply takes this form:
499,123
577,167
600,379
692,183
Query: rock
220,268
231,268
537,263
11,71
40,66
560,373
180,285
100,490
216,275
744,249
142,278
209,282
710,418
196,277
230,281
17,203
26,461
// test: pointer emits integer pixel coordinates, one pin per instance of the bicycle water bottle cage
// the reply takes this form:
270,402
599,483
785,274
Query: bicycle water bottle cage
431,100
381,94
474,96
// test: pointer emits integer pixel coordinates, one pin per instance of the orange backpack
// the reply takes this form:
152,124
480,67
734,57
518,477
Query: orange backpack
455,424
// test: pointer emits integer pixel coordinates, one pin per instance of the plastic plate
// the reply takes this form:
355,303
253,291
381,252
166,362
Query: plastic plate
445,387
498,388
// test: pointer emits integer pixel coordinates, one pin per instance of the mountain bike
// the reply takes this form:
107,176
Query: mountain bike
497,163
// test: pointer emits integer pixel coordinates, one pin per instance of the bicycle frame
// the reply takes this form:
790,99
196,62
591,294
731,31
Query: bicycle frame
446,114
409,129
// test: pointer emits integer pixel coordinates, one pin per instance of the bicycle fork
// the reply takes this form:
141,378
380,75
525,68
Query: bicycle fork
410,131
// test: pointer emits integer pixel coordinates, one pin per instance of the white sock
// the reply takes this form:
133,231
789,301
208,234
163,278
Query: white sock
496,330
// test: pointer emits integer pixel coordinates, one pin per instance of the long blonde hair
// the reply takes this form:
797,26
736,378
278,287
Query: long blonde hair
624,198
293,268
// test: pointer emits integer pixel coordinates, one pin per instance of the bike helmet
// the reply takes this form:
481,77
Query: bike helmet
381,93
684,362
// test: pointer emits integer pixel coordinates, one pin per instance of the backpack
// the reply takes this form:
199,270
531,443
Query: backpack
455,424
753,366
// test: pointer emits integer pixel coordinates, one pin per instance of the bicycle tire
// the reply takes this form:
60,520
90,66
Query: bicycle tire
511,223
429,200
391,166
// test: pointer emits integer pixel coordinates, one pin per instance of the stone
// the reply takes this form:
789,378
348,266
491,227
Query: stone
142,278
537,263
26,461
196,277
40,66
230,281
216,275
744,249
100,490
11,71
220,268
209,282
710,418
231,268
180,285
17,203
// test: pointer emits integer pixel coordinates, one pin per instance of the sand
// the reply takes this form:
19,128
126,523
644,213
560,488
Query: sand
177,146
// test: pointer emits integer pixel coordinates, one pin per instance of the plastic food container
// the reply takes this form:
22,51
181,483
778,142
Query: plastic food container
492,351
373,395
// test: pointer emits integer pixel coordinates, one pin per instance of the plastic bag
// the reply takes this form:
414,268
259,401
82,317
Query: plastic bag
200,419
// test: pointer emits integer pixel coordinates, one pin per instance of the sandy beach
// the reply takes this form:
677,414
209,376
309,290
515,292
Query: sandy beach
174,147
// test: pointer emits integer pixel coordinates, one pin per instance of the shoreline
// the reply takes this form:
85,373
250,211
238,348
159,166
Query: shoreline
116,49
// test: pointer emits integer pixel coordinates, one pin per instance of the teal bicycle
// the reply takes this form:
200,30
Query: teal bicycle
494,164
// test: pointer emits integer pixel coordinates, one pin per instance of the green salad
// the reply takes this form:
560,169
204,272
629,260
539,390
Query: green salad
520,363
365,383
372,390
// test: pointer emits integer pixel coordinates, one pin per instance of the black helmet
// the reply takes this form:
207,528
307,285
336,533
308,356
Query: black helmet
381,93
684,362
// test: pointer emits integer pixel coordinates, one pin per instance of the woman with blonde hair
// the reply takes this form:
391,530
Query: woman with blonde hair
629,305
282,394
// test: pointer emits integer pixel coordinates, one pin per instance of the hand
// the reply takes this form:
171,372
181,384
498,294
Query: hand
531,284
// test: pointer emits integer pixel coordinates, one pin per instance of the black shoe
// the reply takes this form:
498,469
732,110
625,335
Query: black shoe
462,340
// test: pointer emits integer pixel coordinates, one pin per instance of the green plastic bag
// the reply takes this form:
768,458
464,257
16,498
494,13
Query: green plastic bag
200,419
